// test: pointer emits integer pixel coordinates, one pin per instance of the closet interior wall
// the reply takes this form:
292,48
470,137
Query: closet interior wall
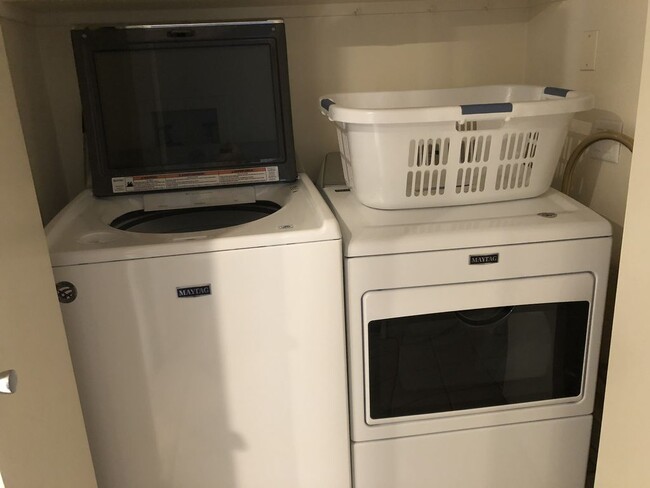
554,56
341,47
332,48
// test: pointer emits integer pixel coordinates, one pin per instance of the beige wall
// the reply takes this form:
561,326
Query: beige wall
36,116
388,48
623,459
43,440
356,47
331,49
553,54
396,52
554,57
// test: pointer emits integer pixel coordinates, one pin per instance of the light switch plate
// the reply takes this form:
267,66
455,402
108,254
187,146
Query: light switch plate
588,50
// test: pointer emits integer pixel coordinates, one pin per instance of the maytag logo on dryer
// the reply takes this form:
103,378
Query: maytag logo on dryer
484,258
193,291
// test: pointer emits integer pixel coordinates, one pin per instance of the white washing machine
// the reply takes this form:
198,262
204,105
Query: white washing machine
473,339
204,356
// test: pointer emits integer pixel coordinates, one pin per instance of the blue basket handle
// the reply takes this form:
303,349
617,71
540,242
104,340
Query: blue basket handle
486,108
556,92
326,103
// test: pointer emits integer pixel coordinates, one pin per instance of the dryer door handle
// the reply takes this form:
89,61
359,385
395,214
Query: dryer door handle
486,316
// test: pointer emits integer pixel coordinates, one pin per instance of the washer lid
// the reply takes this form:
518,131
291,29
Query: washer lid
82,232
550,217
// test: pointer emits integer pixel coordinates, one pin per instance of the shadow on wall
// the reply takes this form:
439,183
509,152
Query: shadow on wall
588,169
35,117
394,52
586,176
548,47
371,51
588,172
327,54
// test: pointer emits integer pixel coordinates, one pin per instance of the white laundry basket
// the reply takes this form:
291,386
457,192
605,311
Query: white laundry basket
457,146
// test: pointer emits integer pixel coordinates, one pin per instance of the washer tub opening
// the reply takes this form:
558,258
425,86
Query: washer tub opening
194,219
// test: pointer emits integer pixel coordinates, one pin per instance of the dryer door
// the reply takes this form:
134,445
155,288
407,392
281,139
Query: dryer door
475,347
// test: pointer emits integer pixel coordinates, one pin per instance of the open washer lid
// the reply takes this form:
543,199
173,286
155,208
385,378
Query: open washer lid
191,105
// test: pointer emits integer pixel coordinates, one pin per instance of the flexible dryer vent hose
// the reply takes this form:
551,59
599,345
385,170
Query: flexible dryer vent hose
567,179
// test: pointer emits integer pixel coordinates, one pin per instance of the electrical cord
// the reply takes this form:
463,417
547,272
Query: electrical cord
569,169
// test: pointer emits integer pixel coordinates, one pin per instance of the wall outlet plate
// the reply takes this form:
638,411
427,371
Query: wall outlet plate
588,50
606,150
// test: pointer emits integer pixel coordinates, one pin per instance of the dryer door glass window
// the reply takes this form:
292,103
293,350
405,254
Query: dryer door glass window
468,359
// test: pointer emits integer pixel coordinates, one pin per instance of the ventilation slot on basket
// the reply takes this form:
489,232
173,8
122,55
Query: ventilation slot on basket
474,125
511,176
516,146
467,126
475,149
432,152
425,183
471,179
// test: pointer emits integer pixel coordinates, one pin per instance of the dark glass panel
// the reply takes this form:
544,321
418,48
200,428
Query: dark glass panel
193,219
476,358
170,108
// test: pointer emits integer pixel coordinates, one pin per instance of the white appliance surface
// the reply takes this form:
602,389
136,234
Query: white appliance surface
367,231
548,454
429,282
243,387
411,263
82,234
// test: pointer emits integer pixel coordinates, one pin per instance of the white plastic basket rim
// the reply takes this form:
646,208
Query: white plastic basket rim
453,105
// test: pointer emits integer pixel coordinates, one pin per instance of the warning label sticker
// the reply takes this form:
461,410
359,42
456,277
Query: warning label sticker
173,181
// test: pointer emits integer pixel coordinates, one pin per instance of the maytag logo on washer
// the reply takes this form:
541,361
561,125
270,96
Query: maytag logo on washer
193,291
484,259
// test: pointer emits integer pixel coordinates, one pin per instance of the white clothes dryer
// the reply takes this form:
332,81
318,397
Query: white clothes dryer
473,339
207,356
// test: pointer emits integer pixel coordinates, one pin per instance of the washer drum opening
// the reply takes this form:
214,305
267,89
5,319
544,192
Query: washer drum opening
194,219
